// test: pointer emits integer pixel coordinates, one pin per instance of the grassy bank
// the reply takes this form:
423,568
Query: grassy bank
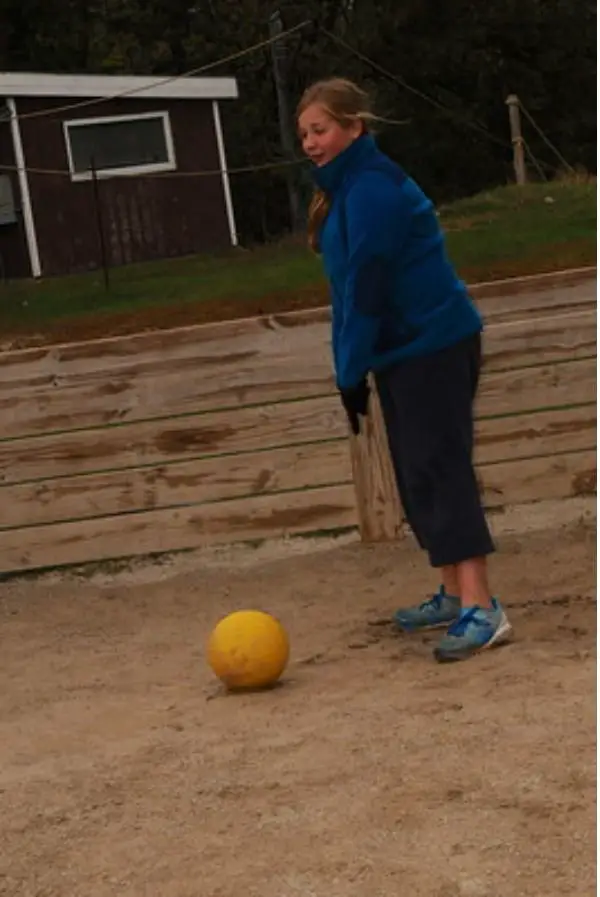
505,232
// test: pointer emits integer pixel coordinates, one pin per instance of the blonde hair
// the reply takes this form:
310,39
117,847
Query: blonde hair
347,103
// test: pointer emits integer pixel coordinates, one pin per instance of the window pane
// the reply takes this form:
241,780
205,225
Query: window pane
118,144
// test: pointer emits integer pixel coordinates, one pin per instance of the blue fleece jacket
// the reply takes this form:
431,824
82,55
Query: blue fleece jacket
394,292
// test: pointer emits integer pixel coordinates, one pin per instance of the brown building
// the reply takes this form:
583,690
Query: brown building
94,166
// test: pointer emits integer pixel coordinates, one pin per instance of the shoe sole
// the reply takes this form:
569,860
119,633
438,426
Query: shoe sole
429,627
500,637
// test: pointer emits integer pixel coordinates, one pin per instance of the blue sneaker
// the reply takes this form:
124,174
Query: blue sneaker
438,611
476,628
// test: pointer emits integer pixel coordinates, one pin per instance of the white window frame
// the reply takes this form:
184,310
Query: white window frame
130,170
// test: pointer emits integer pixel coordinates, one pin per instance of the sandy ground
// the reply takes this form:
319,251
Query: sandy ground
371,772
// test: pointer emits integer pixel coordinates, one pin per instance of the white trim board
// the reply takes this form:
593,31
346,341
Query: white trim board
224,174
28,217
34,84
132,170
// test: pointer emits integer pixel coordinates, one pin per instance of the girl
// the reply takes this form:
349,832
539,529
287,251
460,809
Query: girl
399,310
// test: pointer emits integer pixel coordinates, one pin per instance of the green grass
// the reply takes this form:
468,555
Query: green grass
501,233
236,273
513,227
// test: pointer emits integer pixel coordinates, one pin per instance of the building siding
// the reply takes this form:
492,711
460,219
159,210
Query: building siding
143,217
13,246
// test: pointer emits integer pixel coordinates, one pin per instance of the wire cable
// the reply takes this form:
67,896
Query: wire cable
40,113
534,160
248,169
397,79
546,140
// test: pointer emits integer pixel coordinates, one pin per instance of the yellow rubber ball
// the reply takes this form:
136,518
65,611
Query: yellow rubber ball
248,649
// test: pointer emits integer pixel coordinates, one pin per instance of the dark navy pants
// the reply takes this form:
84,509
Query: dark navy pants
427,406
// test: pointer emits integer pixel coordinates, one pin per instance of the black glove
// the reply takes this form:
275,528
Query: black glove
356,401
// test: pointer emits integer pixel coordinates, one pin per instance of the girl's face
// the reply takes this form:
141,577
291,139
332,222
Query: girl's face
323,138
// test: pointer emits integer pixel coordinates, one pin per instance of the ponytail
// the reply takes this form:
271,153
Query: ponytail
317,213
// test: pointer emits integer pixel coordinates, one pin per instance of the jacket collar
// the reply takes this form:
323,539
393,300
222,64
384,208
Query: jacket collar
329,177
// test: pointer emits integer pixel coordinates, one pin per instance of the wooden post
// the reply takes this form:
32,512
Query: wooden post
380,514
514,114
286,127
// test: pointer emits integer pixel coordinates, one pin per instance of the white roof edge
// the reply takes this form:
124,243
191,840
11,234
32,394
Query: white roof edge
34,84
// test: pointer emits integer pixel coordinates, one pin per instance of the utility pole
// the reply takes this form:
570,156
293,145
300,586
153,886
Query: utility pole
286,127
514,113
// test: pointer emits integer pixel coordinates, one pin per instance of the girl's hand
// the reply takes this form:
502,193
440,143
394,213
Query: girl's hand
355,400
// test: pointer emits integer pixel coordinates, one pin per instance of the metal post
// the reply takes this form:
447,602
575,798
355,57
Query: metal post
98,208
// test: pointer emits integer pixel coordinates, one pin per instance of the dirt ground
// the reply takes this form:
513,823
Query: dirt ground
371,772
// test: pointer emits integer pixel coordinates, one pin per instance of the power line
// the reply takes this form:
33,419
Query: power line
40,113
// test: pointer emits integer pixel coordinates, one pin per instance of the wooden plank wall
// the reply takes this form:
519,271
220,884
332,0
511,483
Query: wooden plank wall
232,431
